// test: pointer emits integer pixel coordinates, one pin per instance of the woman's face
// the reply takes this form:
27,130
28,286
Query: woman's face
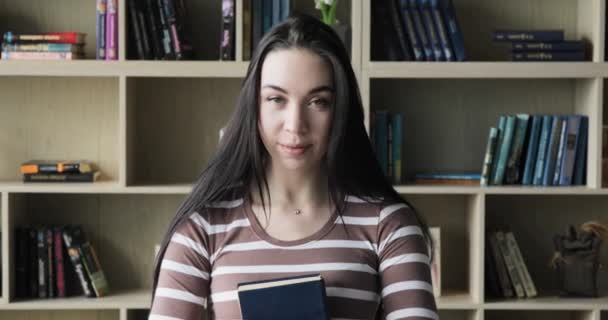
296,101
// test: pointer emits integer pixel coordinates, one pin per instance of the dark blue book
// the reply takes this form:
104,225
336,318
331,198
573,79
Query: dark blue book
276,12
549,56
580,161
412,35
456,176
427,18
297,298
446,7
442,31
532,149
421,30
528,35
567,168
543,143
548,46
551,156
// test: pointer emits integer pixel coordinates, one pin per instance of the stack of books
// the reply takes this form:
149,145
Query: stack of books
258,17
56,261
416,30
506,272
106,29
59,171
540,150
386,134
541,45
43,46
449,178
157,29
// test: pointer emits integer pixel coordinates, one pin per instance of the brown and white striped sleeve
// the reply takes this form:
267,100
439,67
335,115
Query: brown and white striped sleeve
407,292
183,282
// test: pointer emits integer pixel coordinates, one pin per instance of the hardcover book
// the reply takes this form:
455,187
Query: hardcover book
297,298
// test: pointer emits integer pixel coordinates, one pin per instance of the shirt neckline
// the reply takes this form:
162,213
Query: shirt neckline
260,232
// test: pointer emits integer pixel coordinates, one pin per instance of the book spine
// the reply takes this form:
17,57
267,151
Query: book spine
543,144
397,128
567,168
441,31
227,36
463,176
50,263
400,30
111,30
489,156
257,23
382,140
276,12
548,46
527,282
144,29
451,22
68,238
21,267
166,33
580,161
100,29
510,264
551,155
94,270
502,120
427,18
513,169
503,154
169,11
152,22
61,177
60,37
42,47
60,167
540,36
136,31
59,262
408,24
560,151
420,30
548,56
532,151
501,269
42,262
26,55
33,262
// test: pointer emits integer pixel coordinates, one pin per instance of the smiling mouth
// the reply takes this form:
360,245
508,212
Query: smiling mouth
294,150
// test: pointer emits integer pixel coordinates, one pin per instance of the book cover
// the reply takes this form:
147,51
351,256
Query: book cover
433,34
551,156
72,238
135,29
412,36
514,169
580,161
488,158
111,30
62,177
468,182
421,30
447,175
32,258
43,260
144,29
531,153
510,264
59,262
166,33
541,155
301,297
441,31
436,264
43,47
504,150
28,55
155,31
548,46
93,269
571,142
21,262
561,146
446,7
528,35
227,30
381,137
549,56
501,269
60,37
51,262
384,42
400,29
56,166
100,29
502,121
527,281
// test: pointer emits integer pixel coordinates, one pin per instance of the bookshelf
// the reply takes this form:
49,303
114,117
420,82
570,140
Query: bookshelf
152,125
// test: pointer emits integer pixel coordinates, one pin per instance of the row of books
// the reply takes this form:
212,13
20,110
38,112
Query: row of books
43,46
506,272
56,261
106,29
59,171
157,28
386,135
258,17
416,30
541,45
540,150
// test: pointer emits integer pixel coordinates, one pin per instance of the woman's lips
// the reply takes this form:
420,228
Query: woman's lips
294,150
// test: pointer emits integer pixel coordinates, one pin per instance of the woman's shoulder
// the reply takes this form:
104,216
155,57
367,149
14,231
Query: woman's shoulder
375,207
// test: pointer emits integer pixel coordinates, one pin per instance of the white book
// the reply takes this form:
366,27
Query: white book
521,265
436,264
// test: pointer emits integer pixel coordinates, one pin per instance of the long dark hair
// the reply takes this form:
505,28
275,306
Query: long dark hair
239,160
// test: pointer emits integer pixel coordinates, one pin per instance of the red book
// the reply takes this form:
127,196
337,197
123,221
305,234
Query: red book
59,263
60,37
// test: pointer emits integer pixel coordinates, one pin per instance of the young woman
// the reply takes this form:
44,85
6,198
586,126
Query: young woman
294,188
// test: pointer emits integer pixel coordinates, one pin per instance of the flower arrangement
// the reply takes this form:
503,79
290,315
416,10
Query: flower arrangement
328,10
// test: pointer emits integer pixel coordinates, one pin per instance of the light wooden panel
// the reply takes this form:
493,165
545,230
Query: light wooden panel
60,315
446,123
457,315
536,219
58,118
177,126
63,15
538,315
122,228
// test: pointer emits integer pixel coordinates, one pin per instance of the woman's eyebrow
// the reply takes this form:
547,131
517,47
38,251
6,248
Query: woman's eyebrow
314,90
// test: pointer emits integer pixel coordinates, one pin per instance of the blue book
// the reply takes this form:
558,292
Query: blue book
456,176
500,135
410,30
549,56
514,170
580,161
451,24
532,149
266,16
276,12
528,35
441,31
567,168
505,147
285,9
543,142
381,119
433,34
298,298
551,155
421,30
561,148
549,46
397,134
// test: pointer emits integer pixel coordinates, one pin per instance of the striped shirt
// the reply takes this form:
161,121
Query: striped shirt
373,260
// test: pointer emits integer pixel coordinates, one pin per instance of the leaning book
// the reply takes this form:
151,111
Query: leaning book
301,297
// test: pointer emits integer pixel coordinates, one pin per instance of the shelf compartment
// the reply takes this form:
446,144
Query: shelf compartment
63,314
456,140
539,315
127,261
138,314
534,220
459,314
56,118
171,133
459,219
